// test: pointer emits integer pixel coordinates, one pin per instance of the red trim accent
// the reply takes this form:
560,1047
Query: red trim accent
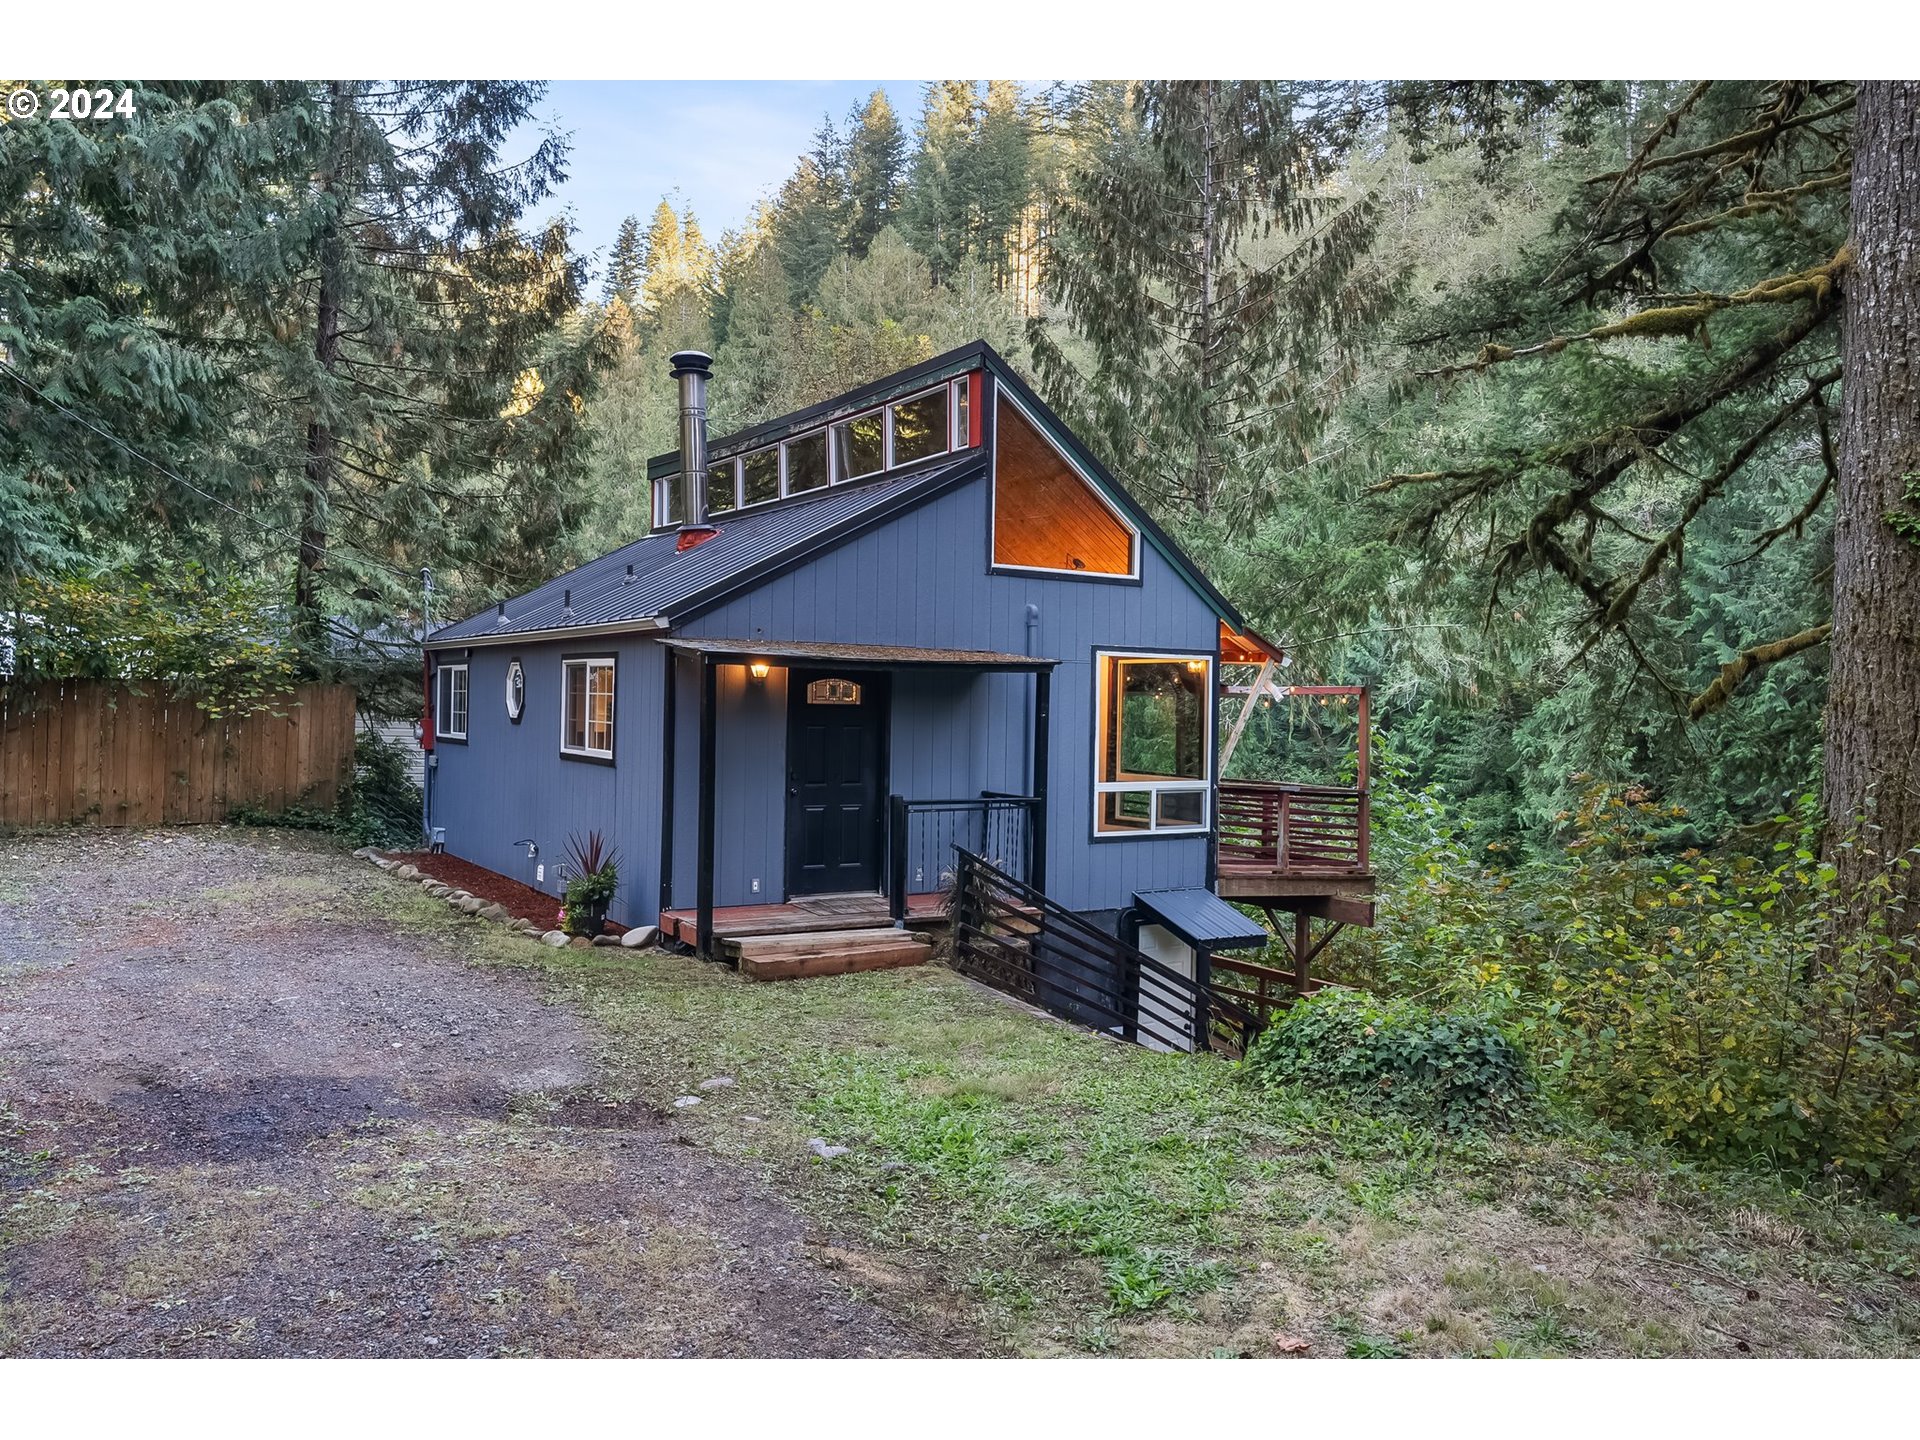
974,387
694,535
426,701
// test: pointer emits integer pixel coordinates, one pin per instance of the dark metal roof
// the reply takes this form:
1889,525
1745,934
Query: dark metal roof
1201,918
669,584
867,656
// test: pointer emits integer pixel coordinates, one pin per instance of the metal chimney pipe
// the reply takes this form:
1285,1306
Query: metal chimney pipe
691,368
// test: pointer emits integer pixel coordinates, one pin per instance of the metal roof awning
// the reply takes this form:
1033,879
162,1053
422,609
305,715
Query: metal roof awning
1201,918
869,657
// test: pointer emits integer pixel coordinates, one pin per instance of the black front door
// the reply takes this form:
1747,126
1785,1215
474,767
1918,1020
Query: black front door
835,725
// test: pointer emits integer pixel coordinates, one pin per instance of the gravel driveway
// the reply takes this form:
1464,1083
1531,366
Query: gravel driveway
250,1104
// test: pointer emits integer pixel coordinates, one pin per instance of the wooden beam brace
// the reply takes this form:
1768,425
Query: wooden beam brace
1254,693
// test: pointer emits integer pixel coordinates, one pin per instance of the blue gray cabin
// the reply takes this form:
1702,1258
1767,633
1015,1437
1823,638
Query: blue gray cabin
916,617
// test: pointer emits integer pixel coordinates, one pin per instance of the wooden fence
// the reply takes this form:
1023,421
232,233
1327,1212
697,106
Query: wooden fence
100,751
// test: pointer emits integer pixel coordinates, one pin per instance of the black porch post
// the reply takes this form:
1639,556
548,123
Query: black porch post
669,726
1042,717
703,931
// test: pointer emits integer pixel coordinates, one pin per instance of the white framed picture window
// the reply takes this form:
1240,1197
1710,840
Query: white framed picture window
586,706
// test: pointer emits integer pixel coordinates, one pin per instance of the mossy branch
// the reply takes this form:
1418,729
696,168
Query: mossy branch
1747,142
1750,662
1688,319
1759,202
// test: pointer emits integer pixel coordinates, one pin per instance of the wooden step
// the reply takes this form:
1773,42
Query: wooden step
805,965
809,940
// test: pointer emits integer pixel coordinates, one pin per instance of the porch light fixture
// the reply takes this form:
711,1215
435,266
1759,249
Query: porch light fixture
758,669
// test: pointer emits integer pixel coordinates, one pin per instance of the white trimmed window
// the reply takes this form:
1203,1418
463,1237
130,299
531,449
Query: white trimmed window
450,702
1153,744
586,707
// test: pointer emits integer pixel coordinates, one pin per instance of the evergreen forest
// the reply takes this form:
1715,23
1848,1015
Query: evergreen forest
1574,419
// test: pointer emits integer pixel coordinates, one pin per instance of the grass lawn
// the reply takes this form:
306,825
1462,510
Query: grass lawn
1056,1192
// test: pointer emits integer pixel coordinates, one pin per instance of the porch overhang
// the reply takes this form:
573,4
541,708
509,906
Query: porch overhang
711,653
735,651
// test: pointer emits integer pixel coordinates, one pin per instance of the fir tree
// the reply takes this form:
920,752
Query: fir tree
1206,267
810,214
1002,172
936,210
876,163
665,252
627,265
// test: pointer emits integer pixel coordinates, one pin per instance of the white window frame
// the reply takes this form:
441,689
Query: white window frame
885,412
779,452
1102,666
959,430
993,511
589,662
443,700
957,438
892,405
664,493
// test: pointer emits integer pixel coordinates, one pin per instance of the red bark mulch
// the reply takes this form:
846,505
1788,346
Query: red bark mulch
490,885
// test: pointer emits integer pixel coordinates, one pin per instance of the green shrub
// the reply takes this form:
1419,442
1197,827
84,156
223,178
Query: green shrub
1738,1006
380,807
384,806
596,878
1457,1069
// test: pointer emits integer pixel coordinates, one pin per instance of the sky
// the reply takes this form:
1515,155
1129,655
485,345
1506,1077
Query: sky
723,144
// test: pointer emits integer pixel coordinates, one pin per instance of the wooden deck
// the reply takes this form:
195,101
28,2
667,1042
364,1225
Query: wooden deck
1300,848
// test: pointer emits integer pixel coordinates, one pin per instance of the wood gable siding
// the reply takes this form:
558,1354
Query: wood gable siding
1045,517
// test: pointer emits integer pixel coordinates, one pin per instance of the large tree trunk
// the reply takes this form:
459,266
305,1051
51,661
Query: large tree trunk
1873,713
309,621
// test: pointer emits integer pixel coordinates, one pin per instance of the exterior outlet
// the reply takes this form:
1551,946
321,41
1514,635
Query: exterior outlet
539,874
756,884
919,874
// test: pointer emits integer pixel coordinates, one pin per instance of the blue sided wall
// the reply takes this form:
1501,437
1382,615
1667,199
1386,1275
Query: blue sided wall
923,580
510,782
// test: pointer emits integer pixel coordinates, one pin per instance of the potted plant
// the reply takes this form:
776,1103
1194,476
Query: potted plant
595,877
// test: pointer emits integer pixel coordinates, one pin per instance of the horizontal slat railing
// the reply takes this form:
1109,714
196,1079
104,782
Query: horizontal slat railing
1010,936
1292,828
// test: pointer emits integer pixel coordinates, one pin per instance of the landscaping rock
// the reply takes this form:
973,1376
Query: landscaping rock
580,942
686,1101
471,906
365,852
718,1082
383,863
408,872
606,940
493,912
555,938
436,888
826,1151
640,937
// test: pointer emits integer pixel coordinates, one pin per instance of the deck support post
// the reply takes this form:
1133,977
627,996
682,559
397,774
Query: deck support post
1302,951
897,821
1037,830
703,925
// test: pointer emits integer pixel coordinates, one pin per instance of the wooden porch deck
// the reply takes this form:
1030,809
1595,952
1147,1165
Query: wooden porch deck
805,916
